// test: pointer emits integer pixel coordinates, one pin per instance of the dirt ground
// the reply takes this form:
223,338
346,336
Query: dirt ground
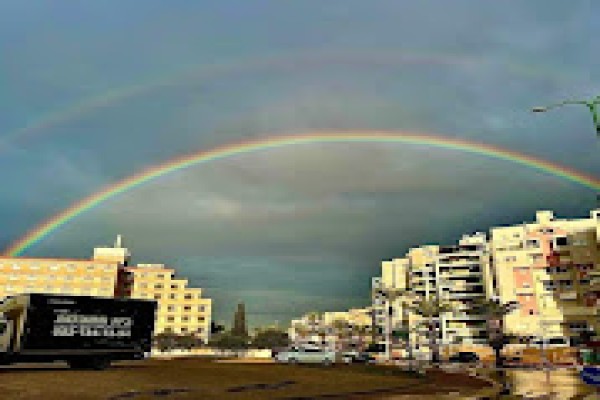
205,379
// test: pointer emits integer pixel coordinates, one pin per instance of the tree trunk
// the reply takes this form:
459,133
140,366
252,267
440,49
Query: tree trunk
432,341
498,356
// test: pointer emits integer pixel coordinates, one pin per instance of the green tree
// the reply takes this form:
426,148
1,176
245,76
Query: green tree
341,330
494,312
229,341
361,332
390,295
165,341
314,322
216,328
301,330
239,321
431,308
270,338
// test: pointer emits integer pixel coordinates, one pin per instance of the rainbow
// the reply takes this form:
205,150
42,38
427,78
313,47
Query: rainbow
312,59
51,225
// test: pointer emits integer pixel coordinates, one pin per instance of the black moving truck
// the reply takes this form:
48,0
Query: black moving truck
86,332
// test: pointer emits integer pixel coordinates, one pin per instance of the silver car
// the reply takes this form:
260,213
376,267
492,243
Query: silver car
313,355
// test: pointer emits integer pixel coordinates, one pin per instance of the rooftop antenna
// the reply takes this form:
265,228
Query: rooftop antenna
119,242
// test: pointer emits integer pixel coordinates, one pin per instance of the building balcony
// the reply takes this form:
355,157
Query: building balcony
568,295
465,317
578,311
462,295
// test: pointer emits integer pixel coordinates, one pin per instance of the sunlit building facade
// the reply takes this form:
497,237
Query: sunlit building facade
463,280
181,310
549,267
49,275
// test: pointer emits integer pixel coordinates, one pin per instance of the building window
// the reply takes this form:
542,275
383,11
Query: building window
187,308
201,319
201,308
171,308
185,319
158,286
157,297
173,296
188,296
171,319
561,241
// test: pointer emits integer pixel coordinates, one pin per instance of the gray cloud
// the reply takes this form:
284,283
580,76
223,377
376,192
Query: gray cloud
315,220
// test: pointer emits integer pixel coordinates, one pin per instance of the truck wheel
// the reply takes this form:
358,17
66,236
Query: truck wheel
99,363
76,363
327,362
293,361
95,363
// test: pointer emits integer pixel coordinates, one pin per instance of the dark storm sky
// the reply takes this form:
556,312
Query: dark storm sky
93,92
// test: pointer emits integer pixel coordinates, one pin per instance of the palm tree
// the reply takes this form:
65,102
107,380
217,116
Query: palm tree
390,295
301,330
341,330
494,312
314,321
361,331
431,308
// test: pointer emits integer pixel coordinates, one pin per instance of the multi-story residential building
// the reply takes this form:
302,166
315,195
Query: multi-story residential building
464,279
459,275
394,277
423,284
50,275
547,266
181,310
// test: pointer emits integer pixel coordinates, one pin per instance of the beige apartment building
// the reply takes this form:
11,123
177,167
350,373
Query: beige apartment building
549,266
64,276
181,310
464,278
459,275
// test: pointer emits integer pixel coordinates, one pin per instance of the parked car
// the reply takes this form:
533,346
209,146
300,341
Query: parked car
464,357
350,357
313,355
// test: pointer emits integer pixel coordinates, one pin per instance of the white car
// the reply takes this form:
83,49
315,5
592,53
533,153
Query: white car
314,355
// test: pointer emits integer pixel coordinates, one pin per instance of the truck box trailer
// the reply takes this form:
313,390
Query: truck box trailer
86,332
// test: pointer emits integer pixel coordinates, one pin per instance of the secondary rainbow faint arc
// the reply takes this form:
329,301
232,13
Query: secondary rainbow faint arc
86,204
215,71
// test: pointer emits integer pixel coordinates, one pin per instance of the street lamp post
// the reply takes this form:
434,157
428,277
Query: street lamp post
590,104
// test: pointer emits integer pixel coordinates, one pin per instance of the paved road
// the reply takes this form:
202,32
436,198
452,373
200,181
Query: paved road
558,384
203,379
